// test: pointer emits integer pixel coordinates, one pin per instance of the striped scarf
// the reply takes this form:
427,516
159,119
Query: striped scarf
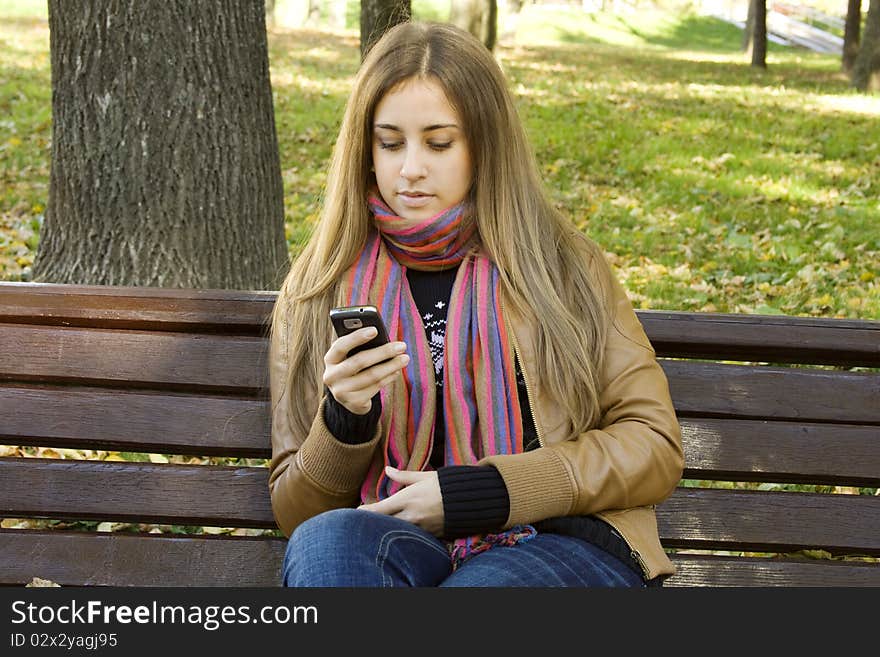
480,401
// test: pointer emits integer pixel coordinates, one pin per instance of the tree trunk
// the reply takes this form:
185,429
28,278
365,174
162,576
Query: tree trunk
851,33
165,168
479,17
866,69
377,16
759,35
749,29
511,19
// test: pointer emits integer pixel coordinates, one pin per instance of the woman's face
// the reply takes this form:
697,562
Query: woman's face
420,153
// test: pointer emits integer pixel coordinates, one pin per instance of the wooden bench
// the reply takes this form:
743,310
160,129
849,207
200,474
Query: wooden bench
183,372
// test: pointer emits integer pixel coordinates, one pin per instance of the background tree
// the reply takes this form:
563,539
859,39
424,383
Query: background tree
866,69
851,34
759,34
164,163
270,12
749,29
377,16
479,17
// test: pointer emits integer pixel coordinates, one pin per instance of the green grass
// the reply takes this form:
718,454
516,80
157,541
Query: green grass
712,186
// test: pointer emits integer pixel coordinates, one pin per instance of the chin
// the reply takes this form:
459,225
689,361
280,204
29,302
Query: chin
415,214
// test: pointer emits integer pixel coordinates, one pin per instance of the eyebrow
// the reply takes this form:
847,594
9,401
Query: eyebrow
429,128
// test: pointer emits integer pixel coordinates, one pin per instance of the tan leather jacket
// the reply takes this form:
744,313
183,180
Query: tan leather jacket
617,471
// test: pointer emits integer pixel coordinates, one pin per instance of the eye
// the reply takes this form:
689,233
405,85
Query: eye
389,145
440,146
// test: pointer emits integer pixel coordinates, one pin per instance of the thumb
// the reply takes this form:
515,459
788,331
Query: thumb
405,477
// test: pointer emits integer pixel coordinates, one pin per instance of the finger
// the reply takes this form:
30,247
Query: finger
356,393
389,506
377,376
371,357
341,346
405,477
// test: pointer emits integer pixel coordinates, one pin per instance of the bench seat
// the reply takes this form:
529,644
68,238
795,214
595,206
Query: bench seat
177,381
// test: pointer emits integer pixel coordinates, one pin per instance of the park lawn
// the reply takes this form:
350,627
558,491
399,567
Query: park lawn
712,186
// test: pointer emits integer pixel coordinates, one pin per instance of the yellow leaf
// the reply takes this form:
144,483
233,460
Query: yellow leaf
158,458
72,454
105,527
213,530
817,554
40,582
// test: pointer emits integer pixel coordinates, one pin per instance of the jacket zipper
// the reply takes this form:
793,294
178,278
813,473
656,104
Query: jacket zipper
633,553
638,559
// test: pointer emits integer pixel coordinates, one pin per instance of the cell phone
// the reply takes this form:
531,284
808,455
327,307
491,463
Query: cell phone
351,318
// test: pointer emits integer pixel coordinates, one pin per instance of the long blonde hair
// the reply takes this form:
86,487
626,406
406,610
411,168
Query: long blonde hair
543,260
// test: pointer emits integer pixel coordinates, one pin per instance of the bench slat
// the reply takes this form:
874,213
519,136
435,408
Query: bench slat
237,497
720,336
133,358
699,570
735,450
105,559
763,338
758,521
739,391
781,452
142,308
162,560
238,363
131,421
221,496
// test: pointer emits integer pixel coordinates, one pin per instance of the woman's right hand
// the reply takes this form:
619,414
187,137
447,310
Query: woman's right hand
355,380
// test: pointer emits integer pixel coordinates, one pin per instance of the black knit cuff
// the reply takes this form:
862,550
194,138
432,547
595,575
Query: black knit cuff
475,499
348,427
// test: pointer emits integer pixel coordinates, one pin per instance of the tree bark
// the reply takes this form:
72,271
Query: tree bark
866,69
479,17
851,34
165,168
377,16
749,29
759,35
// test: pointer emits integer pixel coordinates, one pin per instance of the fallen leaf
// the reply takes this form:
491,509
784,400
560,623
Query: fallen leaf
40,582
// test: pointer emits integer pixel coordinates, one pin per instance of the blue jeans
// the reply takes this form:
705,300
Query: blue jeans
352,548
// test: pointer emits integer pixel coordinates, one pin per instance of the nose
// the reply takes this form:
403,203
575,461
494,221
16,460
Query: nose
413,167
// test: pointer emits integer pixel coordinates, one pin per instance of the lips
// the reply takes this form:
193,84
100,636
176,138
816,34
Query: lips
414,199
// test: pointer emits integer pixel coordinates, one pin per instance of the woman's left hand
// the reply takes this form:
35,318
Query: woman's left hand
418,502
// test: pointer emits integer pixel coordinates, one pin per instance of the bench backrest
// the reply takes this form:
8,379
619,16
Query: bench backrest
177,375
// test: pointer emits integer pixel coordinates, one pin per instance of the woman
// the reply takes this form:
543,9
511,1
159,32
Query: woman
517,430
